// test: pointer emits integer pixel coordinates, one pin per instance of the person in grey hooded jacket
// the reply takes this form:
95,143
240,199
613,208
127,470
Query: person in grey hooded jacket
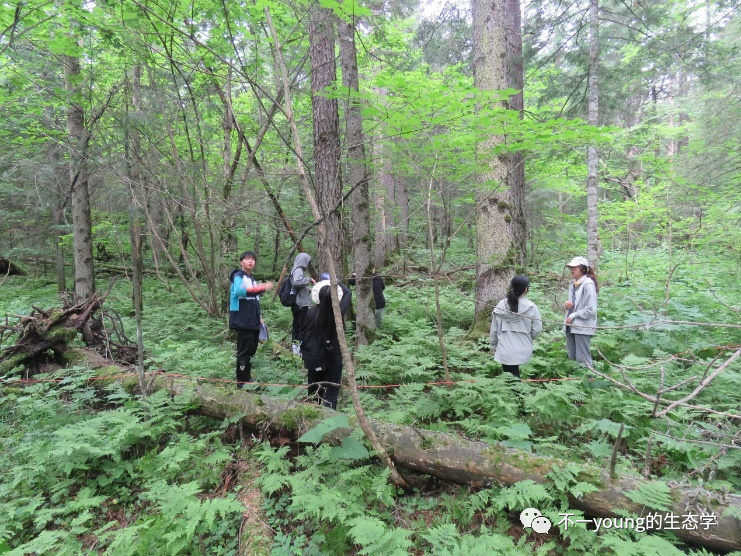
514,325
300,281
580,322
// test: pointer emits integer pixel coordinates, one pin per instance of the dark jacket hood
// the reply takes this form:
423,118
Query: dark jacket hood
234,273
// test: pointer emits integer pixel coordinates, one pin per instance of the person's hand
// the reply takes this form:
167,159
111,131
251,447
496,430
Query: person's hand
568,320
568,305
269,285
313,281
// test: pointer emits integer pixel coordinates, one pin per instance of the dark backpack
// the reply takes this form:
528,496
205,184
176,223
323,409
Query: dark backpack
286,293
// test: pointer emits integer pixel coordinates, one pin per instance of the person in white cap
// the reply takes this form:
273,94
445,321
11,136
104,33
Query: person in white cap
320,349
580,323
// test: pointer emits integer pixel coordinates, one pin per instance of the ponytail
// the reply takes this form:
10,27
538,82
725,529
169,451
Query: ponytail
589,271
518,286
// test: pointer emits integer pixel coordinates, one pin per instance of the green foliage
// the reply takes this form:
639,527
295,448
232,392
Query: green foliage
521,495
129,476
655,495
144,456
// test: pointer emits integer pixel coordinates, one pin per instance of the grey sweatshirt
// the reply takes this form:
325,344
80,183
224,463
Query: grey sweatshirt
512,334
300,280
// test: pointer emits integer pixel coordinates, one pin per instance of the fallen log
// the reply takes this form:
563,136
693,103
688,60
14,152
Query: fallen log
8,268
451,457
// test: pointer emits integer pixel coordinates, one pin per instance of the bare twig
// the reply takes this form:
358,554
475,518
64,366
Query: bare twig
703,383
647,459
628,386
615,448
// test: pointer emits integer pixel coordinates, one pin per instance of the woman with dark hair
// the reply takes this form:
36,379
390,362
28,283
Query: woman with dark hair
514,325
580,323
320,348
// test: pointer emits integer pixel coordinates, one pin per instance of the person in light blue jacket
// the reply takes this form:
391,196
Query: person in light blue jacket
244,313
580,322
515,324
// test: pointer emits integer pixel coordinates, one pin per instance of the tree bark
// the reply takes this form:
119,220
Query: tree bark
451,457
593,118
357,173
80,191
499,219
327,183
325,248
136,227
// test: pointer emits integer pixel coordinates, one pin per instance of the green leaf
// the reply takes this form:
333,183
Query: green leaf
351,449
318,433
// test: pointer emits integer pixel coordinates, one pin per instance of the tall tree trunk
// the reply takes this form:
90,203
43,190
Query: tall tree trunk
592,157
81,220
227,239
516,178
324,105
324,246
499,219
402,202
136,224
357,177
383,199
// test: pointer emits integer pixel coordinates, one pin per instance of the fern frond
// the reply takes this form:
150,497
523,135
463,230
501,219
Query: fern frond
655,495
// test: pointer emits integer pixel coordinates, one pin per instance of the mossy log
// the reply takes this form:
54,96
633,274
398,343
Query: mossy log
451,457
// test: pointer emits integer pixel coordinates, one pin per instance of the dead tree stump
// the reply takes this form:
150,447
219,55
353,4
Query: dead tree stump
44,336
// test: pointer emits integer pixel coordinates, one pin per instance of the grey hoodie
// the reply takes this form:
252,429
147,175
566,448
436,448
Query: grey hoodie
299,280
512,334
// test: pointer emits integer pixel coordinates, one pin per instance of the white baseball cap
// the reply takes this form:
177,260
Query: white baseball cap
578,261
317,288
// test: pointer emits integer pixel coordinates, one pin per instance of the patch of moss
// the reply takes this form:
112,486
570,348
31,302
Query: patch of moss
292,418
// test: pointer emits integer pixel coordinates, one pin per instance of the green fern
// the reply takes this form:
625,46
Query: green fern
378,539
521,495
655,494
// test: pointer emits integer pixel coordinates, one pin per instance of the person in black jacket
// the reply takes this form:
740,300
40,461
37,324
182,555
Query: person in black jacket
244,313
320,348
378,297
379,300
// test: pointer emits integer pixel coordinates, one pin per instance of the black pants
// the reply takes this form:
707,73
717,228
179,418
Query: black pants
514,369
246,348
325,393
299,318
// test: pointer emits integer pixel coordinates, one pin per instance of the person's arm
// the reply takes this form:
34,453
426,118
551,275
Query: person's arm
494,333
250,287
346,300
568,304
237,289
299,279
536,326
257,289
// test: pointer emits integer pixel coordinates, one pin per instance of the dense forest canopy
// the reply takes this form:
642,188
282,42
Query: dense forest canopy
449,146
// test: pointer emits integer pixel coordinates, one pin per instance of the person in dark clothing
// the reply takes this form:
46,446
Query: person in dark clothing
244,313
379,298
321,347
300,282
